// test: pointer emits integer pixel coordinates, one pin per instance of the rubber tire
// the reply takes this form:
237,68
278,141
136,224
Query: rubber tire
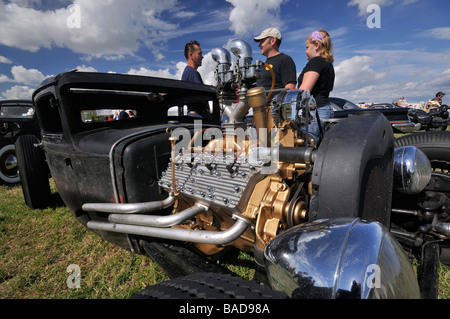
209,286
33,172
429,272
435,145
5,177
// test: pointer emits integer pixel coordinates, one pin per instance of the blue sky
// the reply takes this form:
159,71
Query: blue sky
407,55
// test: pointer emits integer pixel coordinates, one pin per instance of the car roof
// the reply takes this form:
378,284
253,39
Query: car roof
125,82
16,102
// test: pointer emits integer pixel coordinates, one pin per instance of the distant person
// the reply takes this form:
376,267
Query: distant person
318,74
435,103
123,115
283,66
194,57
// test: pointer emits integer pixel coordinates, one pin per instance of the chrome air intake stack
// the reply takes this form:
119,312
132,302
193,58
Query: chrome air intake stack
223,59
243,51
233,84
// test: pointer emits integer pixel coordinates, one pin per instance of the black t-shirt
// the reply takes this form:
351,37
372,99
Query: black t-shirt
325,82
284,69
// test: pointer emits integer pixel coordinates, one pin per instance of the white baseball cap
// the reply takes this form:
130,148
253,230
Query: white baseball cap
270,32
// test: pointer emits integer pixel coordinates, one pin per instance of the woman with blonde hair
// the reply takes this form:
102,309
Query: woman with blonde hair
318,74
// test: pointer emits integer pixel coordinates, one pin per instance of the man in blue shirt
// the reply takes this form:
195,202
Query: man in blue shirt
194,57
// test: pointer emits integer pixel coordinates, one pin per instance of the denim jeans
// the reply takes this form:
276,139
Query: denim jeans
325,112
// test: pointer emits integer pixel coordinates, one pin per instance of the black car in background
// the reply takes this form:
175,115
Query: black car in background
398,116
17,117
434,120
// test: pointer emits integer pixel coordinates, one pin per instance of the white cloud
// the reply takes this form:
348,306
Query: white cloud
5,60
442,33
27,76
26,81
83,68
22,75
161,73
206,71
184,15
262,12
5,78
406,2
18,92
363,4
107,28
40,29
356,72
358,82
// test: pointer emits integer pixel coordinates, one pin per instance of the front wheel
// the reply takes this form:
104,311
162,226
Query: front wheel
8,164
209,286
33,172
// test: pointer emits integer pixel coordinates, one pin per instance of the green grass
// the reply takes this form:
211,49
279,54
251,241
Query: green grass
37,247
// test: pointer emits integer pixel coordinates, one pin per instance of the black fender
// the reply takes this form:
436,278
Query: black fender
340,259
353,170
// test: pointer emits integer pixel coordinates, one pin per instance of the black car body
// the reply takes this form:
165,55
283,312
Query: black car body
111,161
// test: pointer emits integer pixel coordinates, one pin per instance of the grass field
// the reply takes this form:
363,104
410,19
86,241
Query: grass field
38,246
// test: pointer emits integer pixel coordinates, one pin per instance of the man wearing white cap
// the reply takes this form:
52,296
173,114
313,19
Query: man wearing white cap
283,66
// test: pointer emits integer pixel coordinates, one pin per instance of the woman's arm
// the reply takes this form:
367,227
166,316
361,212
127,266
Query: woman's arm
290,86
309,80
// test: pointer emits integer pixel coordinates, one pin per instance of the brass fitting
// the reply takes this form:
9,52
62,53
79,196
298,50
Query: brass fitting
173,141
257,100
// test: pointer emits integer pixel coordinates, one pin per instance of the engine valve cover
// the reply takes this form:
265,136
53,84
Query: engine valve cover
211,179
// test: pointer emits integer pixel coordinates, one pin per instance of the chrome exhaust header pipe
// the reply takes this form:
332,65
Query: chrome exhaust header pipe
180,234
158,221
129,208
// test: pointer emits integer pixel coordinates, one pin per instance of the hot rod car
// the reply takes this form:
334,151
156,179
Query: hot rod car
335,216
16,118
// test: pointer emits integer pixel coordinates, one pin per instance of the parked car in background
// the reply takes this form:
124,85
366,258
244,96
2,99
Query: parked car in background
397,116
17,118
383,106
436,119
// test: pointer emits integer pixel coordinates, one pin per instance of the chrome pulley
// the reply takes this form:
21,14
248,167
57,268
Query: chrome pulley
292,106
